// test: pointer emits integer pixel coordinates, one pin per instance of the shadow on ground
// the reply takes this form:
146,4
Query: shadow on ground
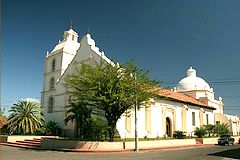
232,153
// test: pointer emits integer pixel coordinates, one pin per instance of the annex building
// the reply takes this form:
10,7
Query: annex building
189,105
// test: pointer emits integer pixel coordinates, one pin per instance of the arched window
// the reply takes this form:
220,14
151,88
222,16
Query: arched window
50,104
53,64
52,83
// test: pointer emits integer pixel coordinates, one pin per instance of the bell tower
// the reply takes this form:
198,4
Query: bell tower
56,62
70,35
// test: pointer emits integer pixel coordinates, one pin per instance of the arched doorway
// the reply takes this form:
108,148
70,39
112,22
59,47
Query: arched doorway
168,127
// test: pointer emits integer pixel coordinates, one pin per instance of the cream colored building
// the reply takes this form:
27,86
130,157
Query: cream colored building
199,89
191,104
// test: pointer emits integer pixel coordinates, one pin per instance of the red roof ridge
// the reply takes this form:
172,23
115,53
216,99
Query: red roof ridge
179,97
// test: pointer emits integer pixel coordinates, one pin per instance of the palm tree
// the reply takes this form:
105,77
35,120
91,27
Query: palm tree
222,128
81,114
26,117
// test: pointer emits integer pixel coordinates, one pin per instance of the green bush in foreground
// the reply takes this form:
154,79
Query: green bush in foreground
200,132
179,134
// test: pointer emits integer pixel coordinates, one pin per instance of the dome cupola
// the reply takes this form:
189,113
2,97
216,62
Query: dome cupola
192,82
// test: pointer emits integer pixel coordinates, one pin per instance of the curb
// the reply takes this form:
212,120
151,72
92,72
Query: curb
141,149
116,151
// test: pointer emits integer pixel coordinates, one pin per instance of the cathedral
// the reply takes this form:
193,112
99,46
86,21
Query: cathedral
189,105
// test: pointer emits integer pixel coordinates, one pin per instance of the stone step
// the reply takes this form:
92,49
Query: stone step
23,144
29,142
20,146
35,140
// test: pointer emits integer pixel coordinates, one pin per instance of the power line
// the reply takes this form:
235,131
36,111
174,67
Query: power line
230,96
232,106
210,82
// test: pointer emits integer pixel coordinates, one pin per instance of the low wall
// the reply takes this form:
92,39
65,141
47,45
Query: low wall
67,144
86,145
210,140
15,138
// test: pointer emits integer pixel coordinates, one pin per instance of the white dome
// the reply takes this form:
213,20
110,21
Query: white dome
192,82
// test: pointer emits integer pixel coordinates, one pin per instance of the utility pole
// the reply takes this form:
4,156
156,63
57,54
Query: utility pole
1,55
1,109
136,113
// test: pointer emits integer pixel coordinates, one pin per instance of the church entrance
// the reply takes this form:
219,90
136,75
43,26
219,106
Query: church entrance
168,127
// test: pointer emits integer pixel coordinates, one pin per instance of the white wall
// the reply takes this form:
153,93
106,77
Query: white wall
156,119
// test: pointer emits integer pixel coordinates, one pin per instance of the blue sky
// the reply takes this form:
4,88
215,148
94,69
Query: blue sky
166,36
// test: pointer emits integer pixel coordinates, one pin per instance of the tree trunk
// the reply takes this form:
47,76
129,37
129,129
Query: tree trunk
111,132
77,128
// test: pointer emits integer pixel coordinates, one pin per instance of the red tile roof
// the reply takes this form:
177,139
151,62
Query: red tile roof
179,97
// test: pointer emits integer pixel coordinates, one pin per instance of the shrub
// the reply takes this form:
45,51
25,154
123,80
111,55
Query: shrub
5,130
209,129
200,132
49,128
179,134
52,128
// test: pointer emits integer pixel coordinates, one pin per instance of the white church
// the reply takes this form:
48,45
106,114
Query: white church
189,105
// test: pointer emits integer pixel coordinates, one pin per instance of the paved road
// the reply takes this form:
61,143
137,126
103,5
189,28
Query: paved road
194,153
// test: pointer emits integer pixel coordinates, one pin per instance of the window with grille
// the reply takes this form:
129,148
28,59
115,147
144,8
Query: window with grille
207,119
193,119
52,83
53,65
50,104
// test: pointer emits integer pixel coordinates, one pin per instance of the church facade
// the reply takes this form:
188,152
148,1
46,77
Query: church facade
189,105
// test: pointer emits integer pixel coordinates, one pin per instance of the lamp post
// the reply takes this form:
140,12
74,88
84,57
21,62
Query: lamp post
135,111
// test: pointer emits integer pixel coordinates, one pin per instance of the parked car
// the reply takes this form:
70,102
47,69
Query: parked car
225,139
239,141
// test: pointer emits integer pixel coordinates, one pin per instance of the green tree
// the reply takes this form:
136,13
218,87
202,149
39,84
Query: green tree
3,119
26,117
221,129
111,89
81,114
